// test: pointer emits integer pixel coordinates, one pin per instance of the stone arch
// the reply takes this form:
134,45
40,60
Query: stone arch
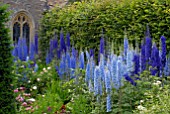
25,24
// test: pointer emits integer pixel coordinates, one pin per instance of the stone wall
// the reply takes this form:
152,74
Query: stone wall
34,9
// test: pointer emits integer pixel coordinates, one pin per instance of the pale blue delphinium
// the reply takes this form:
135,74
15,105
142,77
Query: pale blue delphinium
113,71
87,75
96,80
129,64
81,60
102,67
108,103
36,68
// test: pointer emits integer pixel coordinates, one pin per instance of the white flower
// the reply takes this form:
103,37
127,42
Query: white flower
29,81
31,99
141,101
35,87
140,107
41,73
43,95
44,69
48,68
38,79
158,82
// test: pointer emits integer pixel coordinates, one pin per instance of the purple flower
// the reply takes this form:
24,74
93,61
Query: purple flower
36,43
48,58
68,40
155,61
91,53
107,81
102,46
15,51
51,48
126,46
143,59
81,60
62,42
96,80
128,78
136,61
87,76
148,48
25,49
32,52
163,49
108,103
87,55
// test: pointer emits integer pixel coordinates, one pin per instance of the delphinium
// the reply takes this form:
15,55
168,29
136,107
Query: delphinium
108,89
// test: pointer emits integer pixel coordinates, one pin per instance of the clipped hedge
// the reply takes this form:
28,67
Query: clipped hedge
85,21
7,100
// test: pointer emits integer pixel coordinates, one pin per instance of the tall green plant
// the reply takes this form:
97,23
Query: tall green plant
6,93
85,20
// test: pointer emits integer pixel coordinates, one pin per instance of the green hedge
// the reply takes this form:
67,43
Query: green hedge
7,99
85,21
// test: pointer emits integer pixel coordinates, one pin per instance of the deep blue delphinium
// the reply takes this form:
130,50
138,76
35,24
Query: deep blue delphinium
81,60
155,60
58,53
163,50
25,49
142,58
148,48
48,58
55,46
62,42
51,49
74,52
68,41
36,43
15,51
91,53
68,60
102,46
32,52
128,78
136,61
20,48
96,80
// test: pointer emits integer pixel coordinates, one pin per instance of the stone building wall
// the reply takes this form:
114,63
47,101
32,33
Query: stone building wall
33,9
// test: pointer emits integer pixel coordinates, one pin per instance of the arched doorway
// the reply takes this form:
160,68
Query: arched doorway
22,27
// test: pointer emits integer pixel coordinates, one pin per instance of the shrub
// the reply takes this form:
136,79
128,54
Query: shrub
7,98
85,21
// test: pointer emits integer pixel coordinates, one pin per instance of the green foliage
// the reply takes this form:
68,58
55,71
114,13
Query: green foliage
155,100
85,21
6,93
